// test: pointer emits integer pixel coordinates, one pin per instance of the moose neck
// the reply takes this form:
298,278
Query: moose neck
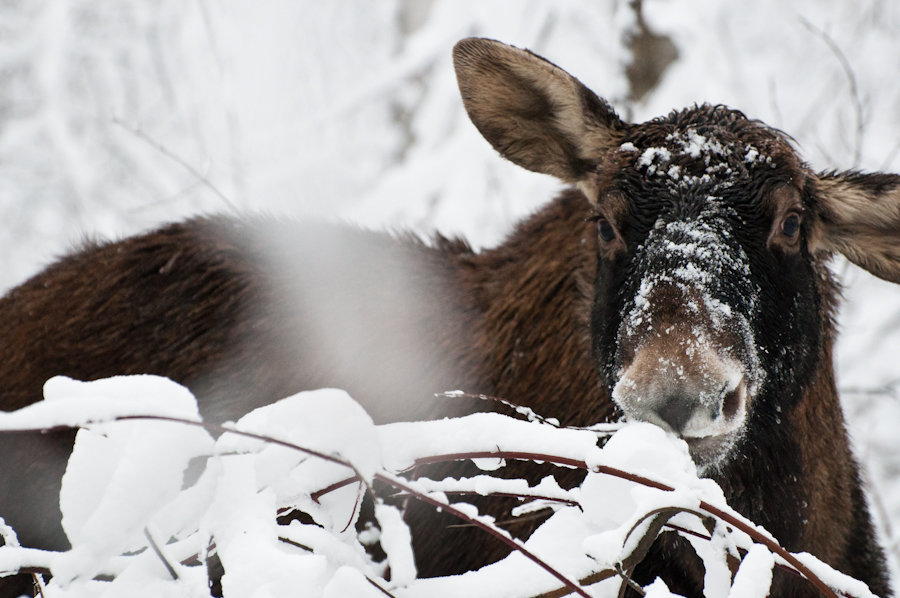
534,293
799,479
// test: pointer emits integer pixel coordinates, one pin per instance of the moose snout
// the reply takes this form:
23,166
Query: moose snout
700,397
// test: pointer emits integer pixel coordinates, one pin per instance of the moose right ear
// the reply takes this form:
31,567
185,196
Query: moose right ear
533,112
858,215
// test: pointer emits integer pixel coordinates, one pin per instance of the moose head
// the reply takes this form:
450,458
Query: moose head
712,302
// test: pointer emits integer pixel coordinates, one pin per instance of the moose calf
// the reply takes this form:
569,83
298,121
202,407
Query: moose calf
681,280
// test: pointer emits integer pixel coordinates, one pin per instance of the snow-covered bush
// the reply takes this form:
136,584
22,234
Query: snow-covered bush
151,492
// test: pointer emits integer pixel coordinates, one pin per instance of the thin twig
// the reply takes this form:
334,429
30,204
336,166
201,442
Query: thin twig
356,503
39,584
223,429
605,429
8,534
175,158
890,388
332,487
490,529
627,579
378,586
851,79
294,544
159,553
308,549
521,496
527,412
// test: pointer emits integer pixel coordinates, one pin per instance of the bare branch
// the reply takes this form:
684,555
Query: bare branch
202,178
487,528
851,79
156,549
605,429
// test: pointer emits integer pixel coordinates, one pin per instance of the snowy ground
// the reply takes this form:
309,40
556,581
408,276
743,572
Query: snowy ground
116,116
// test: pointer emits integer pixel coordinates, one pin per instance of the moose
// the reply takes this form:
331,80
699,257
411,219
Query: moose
681,279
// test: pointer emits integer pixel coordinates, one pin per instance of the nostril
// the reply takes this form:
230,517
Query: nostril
731,401
675,413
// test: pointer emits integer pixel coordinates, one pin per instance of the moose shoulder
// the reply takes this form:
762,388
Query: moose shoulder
682,280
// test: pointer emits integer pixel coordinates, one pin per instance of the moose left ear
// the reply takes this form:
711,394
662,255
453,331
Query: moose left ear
858,215
533,112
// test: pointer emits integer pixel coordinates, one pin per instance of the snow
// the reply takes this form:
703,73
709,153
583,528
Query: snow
754,576
70,402
349,110
695,145
396,542
651,155
410,440
131,513
835,579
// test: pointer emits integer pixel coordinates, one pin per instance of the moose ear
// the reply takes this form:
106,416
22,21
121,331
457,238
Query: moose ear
859,216
533,112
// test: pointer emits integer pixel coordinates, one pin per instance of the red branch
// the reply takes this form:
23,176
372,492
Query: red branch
625,475
515,545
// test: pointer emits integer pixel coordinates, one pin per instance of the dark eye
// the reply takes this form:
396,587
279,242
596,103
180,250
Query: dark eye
790,226
605,229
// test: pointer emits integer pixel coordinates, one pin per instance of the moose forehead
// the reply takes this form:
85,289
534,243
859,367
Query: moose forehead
693,195
698,157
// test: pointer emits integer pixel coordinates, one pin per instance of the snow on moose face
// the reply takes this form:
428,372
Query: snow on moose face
701,277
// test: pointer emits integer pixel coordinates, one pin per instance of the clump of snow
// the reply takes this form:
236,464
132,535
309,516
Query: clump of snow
836,580
241,522
69,402
654,158
642,449
411,440
696,145
397,544
119,475
754,576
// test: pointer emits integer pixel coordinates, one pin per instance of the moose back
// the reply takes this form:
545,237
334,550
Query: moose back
682,279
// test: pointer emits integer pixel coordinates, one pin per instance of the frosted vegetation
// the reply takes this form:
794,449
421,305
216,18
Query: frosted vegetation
124,491
116,116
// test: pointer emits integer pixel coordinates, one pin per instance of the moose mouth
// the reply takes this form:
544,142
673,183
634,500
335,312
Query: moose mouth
710,422
708,452
703,398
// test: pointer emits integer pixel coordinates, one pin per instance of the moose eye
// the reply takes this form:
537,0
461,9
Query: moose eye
790,226
605,230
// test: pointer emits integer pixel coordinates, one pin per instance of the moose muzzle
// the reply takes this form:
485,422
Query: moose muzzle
686,351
